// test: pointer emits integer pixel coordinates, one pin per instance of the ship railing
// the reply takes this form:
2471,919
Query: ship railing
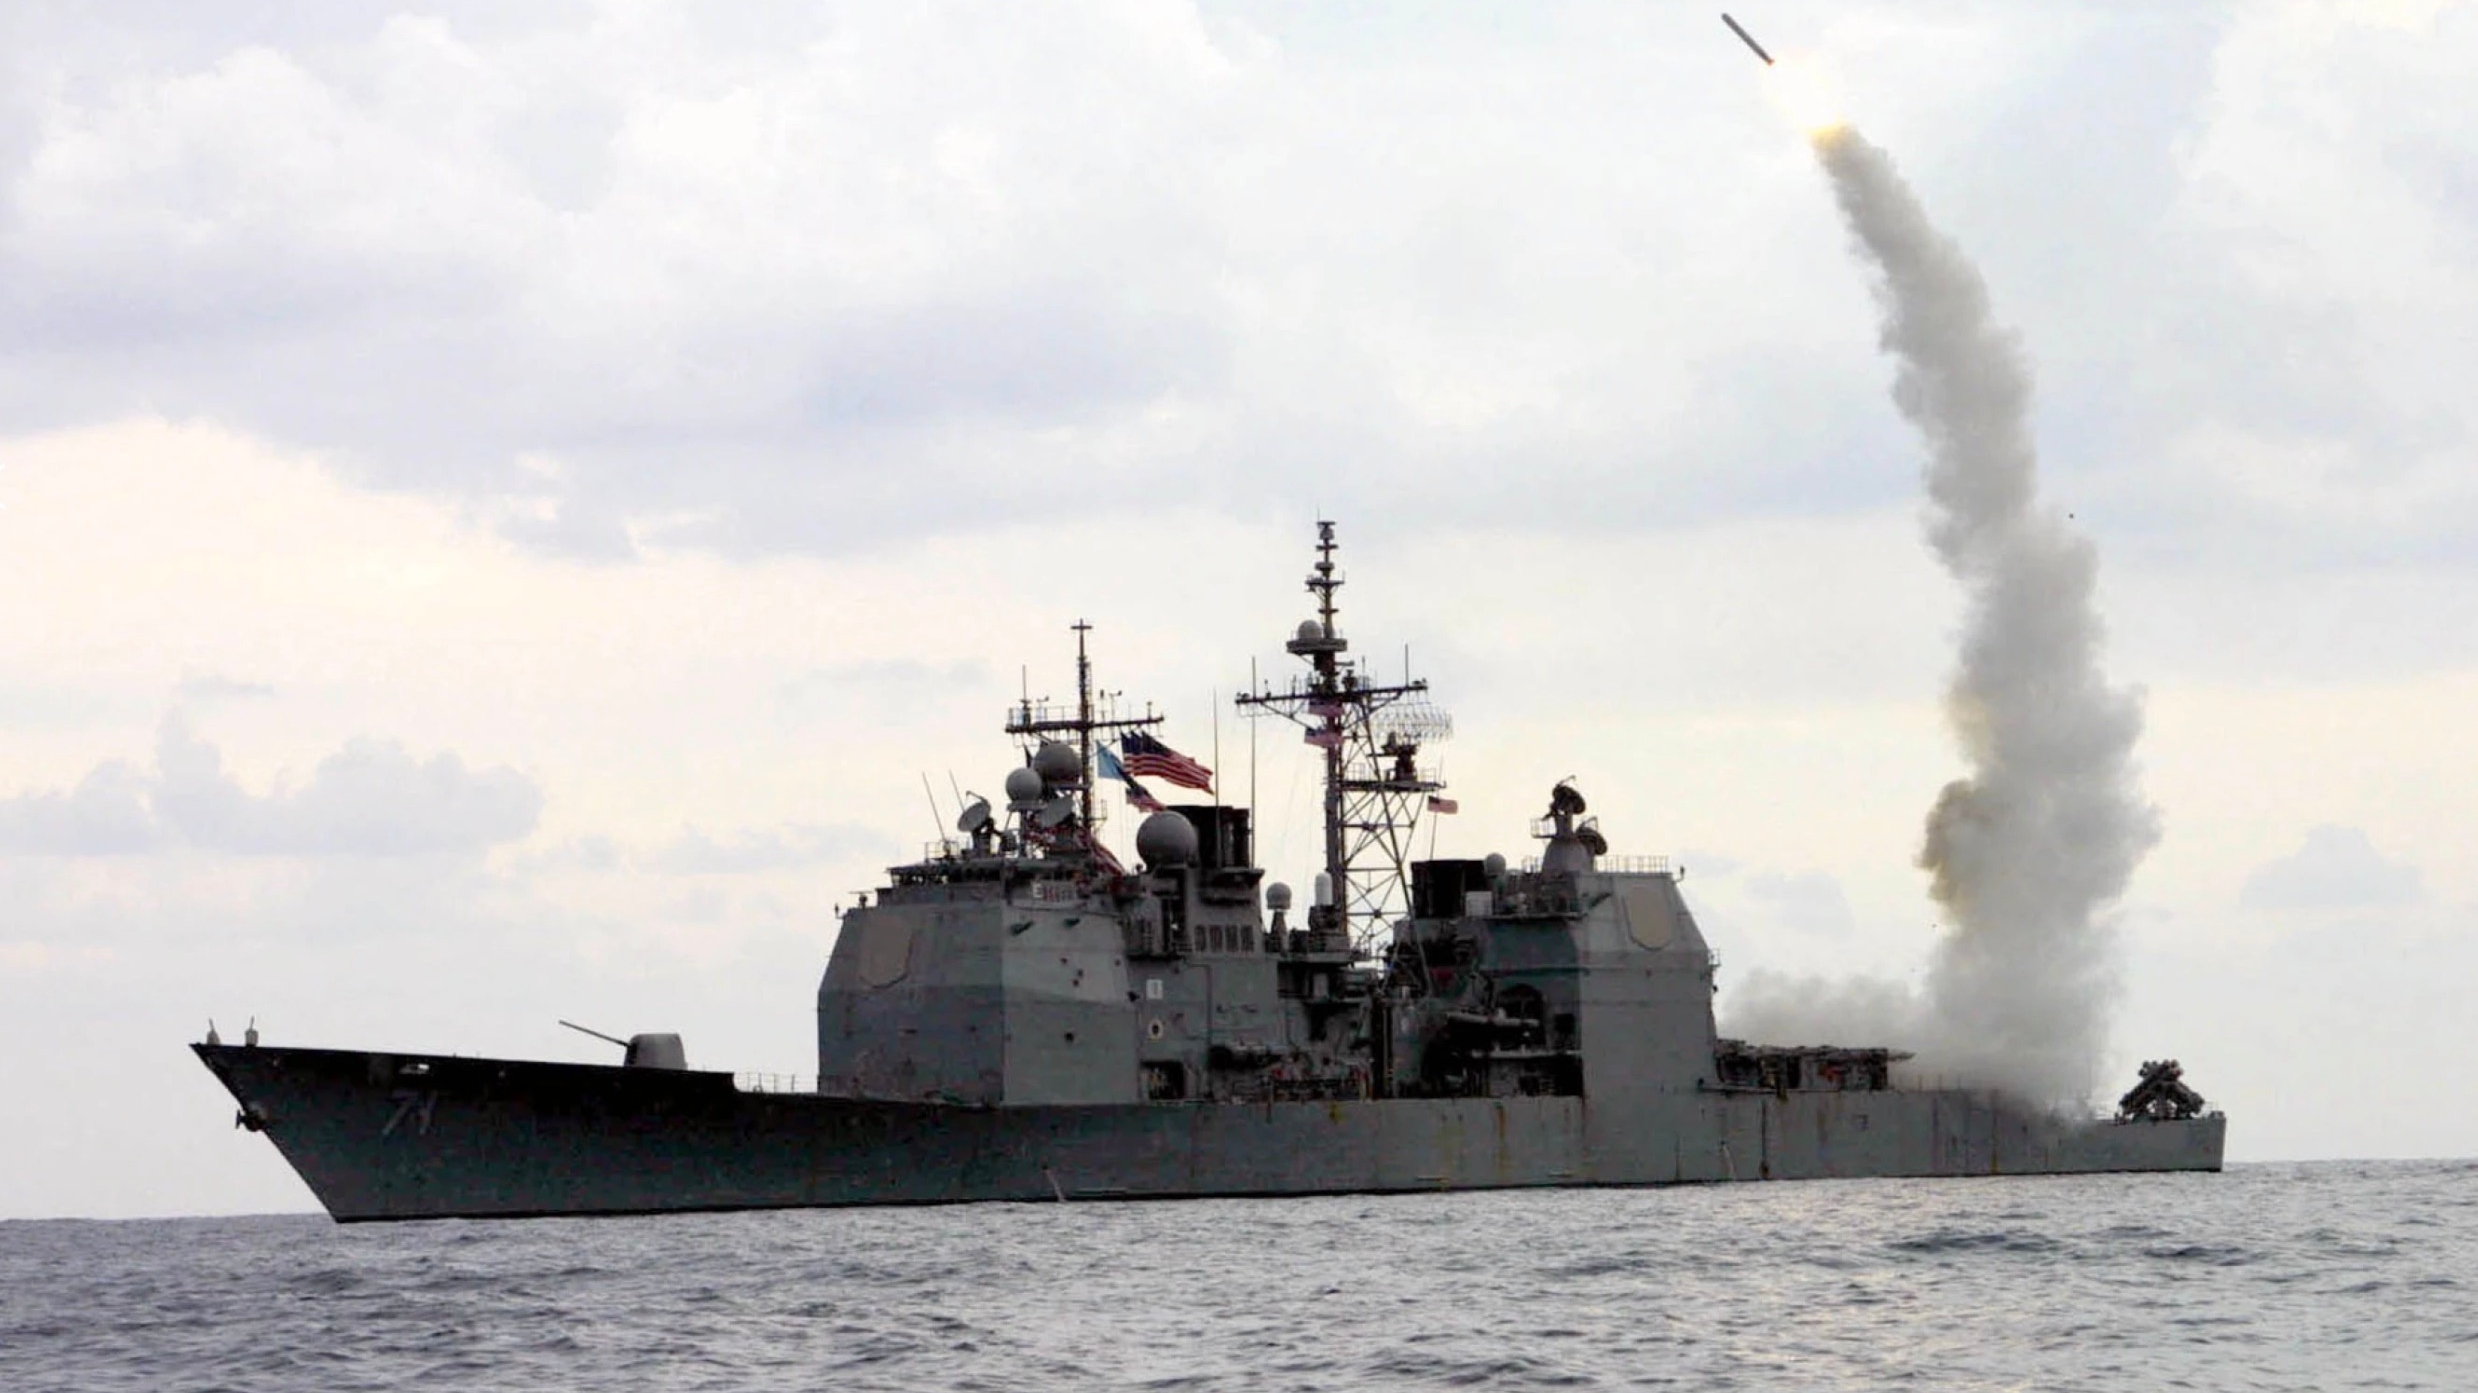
774,1083
1614,865
1029,716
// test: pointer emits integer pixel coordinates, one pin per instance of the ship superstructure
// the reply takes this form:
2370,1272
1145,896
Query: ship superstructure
1018,1015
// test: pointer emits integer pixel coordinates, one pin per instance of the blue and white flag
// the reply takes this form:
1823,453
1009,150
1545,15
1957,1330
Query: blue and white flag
1137,796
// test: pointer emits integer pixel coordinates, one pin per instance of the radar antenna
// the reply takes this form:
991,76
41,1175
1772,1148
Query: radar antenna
1375,788
1094,713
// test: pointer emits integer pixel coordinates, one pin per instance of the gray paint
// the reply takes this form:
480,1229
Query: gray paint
947,1074
1017,1018
483,1137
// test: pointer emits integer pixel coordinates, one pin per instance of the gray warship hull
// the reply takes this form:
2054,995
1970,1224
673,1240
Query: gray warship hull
392,1136
1019,1016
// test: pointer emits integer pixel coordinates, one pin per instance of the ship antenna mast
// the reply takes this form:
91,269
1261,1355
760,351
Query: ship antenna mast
1375,790
1084,723
1034,720
1327,659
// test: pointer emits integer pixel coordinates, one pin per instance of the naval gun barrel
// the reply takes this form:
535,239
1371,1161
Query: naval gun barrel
589,1030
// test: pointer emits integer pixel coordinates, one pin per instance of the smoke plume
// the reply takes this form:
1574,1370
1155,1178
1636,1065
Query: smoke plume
2028,849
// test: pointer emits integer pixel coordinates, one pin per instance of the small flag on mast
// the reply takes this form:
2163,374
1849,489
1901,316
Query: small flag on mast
1443,805
1154,760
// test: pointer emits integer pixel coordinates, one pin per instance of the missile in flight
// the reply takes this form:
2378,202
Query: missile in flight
1748,39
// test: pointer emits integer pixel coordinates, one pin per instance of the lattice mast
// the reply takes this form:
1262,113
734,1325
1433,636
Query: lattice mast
1371,734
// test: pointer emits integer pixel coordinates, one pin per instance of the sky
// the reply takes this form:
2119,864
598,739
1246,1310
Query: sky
503,512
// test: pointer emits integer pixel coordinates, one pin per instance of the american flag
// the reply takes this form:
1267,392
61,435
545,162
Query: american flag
1138,796
1324,738
1443,805
1153,759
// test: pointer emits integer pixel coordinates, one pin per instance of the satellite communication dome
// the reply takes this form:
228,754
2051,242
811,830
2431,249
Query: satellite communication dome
1023,788
1310,631
1057,763
1166,839
1494,866
1277,897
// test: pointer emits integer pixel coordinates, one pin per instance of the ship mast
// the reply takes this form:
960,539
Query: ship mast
1370,734
1324,653
1084,722
1094,713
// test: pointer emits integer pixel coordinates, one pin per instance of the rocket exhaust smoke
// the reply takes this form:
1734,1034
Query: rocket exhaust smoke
2030,847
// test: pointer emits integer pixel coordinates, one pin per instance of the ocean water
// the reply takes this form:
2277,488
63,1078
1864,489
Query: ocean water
2320,1276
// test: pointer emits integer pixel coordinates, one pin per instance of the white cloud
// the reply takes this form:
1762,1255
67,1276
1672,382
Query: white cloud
204,688
2337,869
370,798
1811,901
107,813
693,852
882,272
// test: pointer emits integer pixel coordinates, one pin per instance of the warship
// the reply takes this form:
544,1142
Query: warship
1018,1015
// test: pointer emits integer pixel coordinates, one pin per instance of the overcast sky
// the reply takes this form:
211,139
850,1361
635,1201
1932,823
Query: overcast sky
499,512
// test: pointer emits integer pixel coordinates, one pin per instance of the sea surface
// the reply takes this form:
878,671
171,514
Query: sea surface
2317,1276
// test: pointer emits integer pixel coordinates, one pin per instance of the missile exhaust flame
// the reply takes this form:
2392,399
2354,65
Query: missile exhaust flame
1801,87
1805,91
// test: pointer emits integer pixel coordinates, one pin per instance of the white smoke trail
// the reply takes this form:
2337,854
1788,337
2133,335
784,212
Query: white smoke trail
2030,848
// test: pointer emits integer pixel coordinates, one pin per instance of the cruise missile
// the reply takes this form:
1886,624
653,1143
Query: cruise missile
1748,39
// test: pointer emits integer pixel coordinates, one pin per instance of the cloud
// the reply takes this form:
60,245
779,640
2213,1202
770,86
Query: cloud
106,814
370,798
883,689
1809,901
745,851
887,271
896,237
754,851
206,687
2337,869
